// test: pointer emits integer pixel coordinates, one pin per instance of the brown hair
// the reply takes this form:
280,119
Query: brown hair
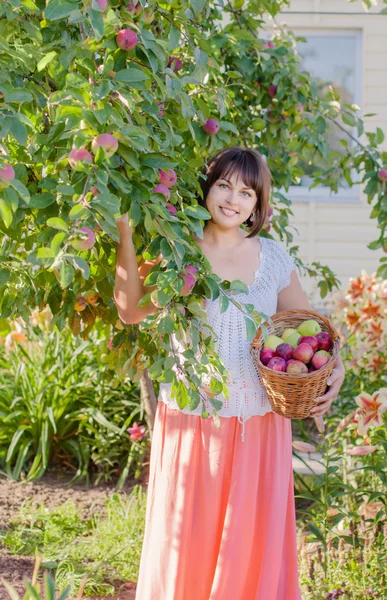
254,172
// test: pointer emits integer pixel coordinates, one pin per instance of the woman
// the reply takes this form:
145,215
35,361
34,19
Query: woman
220,518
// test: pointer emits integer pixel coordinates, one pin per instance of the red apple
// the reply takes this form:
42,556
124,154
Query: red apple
80,304
272,91
162,189
107,142
324,341
161,106
303,352
284,351
126,39
172,209
134,8
86,240
296,367
320,359
383,174
211,126
277,364
102,4
168,178
175,63
191,269
7,173
309,339
78,158
266,355
189,283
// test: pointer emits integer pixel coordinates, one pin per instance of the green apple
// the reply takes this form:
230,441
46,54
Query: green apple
273,341
288,332
293,338
309,327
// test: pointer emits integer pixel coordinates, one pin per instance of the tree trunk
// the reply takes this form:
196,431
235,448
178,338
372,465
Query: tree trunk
149,400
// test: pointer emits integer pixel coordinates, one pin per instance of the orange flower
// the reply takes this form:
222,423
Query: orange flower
137,432
361,450
370,509
372,409
303,446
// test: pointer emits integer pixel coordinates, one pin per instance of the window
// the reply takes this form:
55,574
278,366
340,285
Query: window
333,58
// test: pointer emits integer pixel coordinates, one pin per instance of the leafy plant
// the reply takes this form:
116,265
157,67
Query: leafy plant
151,78
59,404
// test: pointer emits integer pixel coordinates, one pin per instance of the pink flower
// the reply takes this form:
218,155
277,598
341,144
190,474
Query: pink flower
137,432
347,420
372,409
303,446
361,450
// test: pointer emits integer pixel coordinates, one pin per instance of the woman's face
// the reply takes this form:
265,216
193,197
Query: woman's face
230,202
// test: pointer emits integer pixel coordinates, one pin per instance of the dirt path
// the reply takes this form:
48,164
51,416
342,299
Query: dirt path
51,491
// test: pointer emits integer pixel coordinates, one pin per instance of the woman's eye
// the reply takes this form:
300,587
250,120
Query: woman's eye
220,185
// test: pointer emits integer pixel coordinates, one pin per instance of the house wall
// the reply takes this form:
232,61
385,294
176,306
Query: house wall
335,230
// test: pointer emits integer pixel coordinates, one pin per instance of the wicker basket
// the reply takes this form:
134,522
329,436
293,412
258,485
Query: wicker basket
292,395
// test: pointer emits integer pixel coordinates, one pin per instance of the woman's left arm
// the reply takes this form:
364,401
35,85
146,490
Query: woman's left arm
293,297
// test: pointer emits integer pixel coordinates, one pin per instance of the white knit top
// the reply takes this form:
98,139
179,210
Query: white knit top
247,396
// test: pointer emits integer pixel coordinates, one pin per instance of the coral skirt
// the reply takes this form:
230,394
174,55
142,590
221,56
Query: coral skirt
220,516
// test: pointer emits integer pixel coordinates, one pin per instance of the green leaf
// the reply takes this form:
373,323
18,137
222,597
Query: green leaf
18,95
66,274
198,5
41,200
57,241
42,64
166,325
223,303
59,9
78,212
81,264
5,213
348,119
131,75
57,223
251,328
317,532
157,160
19,131
238,286
45,253
198,212
96,20
21,189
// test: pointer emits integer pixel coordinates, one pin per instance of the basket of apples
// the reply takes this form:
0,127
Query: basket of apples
295,361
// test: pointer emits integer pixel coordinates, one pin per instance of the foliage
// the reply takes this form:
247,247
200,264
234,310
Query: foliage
64,80
92,553
66,402
346,508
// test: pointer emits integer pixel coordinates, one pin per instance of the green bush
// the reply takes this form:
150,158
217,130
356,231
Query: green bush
61,405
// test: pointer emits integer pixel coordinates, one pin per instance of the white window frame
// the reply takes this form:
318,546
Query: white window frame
323,193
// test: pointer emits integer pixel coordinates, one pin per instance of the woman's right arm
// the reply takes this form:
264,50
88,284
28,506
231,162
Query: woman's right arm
129,287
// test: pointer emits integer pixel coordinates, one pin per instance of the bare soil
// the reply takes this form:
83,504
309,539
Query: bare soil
51,491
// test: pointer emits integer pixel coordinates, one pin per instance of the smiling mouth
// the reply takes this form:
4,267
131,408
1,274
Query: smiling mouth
229,211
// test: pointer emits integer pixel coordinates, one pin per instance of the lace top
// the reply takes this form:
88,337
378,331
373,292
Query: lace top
247,395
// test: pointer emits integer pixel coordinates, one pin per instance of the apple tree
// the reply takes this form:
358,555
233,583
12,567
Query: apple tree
114,106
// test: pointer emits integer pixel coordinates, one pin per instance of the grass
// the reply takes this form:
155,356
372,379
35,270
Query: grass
105,548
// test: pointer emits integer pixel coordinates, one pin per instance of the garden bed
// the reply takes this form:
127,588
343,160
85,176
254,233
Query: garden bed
51,491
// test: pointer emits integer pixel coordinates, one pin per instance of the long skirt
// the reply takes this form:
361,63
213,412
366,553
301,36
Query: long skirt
220,515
